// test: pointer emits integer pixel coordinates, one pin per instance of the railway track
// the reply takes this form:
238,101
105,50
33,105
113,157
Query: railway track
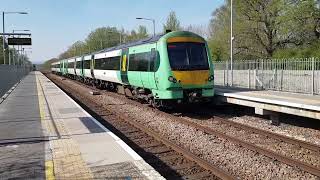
169,159
269,153
280,137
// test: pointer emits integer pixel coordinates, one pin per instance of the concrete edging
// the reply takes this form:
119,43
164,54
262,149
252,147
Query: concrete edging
9,92
276,102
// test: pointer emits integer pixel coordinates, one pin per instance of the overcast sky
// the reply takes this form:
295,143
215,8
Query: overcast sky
56,24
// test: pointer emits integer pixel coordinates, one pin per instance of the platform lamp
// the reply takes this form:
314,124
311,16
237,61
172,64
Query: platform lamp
153,22
3,30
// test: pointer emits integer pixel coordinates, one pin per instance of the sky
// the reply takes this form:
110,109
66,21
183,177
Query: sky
57,24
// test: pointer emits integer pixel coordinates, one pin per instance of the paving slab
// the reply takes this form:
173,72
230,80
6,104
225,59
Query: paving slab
81,144
22,141
44,134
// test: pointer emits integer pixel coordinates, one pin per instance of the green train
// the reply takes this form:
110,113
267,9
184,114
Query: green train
166,69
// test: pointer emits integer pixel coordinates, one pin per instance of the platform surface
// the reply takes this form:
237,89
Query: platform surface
302,101
44,134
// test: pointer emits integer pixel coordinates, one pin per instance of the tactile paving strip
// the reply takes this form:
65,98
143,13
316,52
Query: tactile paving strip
67,160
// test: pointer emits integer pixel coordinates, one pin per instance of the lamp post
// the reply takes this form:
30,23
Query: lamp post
3,30
20,30
153,22
24,54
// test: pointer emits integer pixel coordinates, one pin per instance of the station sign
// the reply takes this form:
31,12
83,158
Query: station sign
19,41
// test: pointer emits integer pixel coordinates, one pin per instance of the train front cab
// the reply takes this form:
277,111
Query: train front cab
186,70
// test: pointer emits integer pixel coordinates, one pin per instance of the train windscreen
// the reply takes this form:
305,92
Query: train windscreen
188,56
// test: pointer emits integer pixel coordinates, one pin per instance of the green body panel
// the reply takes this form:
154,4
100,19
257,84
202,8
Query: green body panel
139,78
65,67
81,68
167,94
208,92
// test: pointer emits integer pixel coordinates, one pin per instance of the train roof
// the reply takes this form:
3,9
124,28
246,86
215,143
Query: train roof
130,44
134,43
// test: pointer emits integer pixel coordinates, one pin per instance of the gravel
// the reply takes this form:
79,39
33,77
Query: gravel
287,149
301,133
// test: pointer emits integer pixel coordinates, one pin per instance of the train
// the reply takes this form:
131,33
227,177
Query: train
163,70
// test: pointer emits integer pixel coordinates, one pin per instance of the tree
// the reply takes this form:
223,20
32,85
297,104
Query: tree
136,35
47,64
201,30
263,28
142,32
219,33
172,23
103,37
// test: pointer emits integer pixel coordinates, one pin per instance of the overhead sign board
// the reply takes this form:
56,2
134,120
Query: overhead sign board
19,41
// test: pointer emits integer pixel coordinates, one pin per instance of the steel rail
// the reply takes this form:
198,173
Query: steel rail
284,138
292,162
189,155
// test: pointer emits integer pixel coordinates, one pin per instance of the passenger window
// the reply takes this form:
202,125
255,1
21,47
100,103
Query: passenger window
153,58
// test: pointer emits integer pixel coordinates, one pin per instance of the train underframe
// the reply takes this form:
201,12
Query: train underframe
142,94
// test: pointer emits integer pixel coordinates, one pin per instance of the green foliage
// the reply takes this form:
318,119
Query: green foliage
311,50
172,22
266,29
219,40
15,57
47,64
133,36
100,38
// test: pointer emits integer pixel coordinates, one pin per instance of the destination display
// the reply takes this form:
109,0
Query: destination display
19,41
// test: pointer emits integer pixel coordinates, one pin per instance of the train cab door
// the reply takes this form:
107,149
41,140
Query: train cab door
124,66
75,67
81,67
92,64
60,66
152,68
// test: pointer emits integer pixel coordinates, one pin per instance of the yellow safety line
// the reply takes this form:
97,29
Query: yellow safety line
40,101
49,171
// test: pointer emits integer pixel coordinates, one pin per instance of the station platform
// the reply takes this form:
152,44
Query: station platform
44,134
266,102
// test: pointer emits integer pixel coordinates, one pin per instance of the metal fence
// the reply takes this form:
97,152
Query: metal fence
291,75
10,75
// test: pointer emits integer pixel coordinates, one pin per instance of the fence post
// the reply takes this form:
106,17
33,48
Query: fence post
312,83
254,78
281,79
274,79
249,78
224,77
227,67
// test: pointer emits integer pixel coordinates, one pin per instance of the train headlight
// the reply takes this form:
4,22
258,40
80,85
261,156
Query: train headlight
211,78
172,79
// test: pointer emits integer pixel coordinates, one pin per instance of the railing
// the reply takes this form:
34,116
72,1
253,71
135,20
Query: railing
291,75
10,75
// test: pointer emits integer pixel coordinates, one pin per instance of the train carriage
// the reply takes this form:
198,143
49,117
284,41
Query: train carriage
86,67
55,67
71,67
174,67
107,65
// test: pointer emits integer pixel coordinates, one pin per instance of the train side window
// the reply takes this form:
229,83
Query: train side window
153,58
